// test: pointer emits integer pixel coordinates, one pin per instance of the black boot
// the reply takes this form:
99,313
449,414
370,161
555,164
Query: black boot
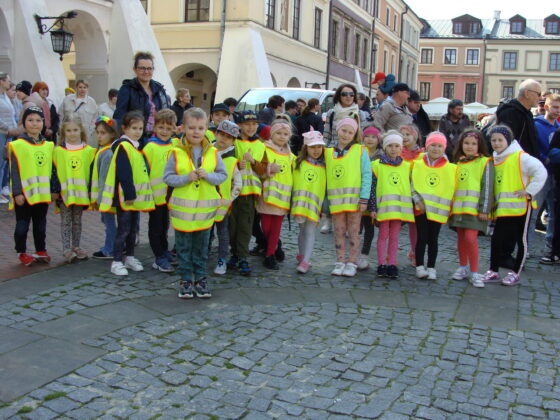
279,253
270,263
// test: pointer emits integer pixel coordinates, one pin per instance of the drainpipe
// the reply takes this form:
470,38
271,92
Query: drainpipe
372,53
222,33
406,9
483,78
329,41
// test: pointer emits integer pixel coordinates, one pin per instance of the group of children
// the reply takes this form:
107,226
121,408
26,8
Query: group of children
368,179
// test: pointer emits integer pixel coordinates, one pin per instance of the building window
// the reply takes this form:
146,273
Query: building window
395,23
425,88
388,17
357,45
450,56
376,8
470,92
334,39
507,92
197,11
317,36
458,28
426,56
346,43
297,15
270,9
473,28
510,60
516,27
552,27
449,90
365,54
385,61
472,57
554,64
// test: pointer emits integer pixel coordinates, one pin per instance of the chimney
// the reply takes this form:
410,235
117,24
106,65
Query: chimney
497,14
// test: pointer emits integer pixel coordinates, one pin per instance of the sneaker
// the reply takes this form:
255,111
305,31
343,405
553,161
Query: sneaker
42,256
382,270
511,279
363,262
6,191
221,267
279,254
201,289
421,272
118,268
101,256
550,259
460,274
163,265
491,277
432,275
26,259
244,268
133,263
257,251
172,258
392,271
270,263
69,256
338,267
476,280
350,270
299,258
302,267
4,200
233,262
186,290
326,225
80,254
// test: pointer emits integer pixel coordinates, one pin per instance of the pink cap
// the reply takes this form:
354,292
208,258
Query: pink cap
436,137
312,138
347,121
371,130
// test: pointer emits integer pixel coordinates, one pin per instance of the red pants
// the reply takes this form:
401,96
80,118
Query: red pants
271,226
467,245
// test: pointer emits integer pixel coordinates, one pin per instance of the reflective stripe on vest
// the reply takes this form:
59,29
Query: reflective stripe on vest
251,182
469,177
277,190
34,162
225,188
156,156
394,197
73,171
436,186
95,174
344,179
308,192
508,179
193,206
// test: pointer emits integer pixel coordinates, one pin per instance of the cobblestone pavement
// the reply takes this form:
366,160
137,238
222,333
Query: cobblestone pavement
76,342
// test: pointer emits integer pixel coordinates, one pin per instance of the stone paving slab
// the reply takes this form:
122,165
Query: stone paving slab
12,339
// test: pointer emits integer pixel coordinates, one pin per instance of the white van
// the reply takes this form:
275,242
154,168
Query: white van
256,99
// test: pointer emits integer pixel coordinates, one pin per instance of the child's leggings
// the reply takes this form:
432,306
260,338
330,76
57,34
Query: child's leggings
347,222
271,226
388,242
412,235
369,233
510,230
71,226
467,245
306,239
428,233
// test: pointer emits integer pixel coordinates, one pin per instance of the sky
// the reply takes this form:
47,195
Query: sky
482,9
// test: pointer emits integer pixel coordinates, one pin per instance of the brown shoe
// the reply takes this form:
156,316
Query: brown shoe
69,256
80,254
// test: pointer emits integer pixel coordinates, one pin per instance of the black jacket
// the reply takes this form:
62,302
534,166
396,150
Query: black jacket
302,125
520,120
133,97
179,111
423,123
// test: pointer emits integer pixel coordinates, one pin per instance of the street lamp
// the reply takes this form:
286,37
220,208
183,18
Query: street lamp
61,39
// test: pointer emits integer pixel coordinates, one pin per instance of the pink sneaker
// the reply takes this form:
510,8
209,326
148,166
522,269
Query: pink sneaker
491,277
299,258
302,267
511,279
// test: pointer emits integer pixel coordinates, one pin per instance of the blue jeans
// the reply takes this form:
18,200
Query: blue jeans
192,253
108,220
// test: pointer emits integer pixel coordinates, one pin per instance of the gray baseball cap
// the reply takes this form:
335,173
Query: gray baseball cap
229,127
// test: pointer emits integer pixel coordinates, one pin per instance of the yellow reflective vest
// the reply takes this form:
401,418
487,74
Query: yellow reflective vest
73,168
193,206
144,200
393,194
225,188
344,179
156,156
436,186
508,179
35,169
308,192
277,190
467,191
251,182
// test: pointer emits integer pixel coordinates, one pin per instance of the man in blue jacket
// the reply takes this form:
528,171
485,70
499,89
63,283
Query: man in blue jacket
553,256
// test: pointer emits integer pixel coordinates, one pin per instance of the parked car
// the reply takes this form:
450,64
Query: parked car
256,99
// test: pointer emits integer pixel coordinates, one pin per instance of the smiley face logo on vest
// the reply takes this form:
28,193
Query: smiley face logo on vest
310,175
432,180
196,185
338,171
463,174
40,159
75,163
394,179
283,167
499,178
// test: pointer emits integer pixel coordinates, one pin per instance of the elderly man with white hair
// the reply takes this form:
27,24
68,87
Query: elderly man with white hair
517,115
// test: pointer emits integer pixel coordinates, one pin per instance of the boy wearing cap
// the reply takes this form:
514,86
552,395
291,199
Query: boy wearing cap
226,133
219,113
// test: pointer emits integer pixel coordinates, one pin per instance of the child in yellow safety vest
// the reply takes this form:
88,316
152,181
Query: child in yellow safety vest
518,179
391,202
433,185
308,194
194,170
472,202
156,152
31,185
72,160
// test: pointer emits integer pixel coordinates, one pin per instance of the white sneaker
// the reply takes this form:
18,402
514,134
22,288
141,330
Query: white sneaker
421,272
432,275
363,262
326,226
3,200
133,264
338,268
118,268
476,280
460,274
6,191
221,267
350,270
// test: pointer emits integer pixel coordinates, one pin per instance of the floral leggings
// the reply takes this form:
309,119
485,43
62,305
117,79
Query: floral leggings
71,226
347,222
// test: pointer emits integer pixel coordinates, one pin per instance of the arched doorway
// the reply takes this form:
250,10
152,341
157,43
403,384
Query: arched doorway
294,82
200,80
5,45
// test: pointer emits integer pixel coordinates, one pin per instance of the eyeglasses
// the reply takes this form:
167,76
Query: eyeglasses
534,91
148,69
351,94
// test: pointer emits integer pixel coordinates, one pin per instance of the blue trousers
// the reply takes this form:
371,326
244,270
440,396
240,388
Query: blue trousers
108,220
192,253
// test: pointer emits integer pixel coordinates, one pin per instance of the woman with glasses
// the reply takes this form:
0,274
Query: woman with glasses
79,105
345,105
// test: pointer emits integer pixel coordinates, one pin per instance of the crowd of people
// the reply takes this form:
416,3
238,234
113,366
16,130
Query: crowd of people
236,175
